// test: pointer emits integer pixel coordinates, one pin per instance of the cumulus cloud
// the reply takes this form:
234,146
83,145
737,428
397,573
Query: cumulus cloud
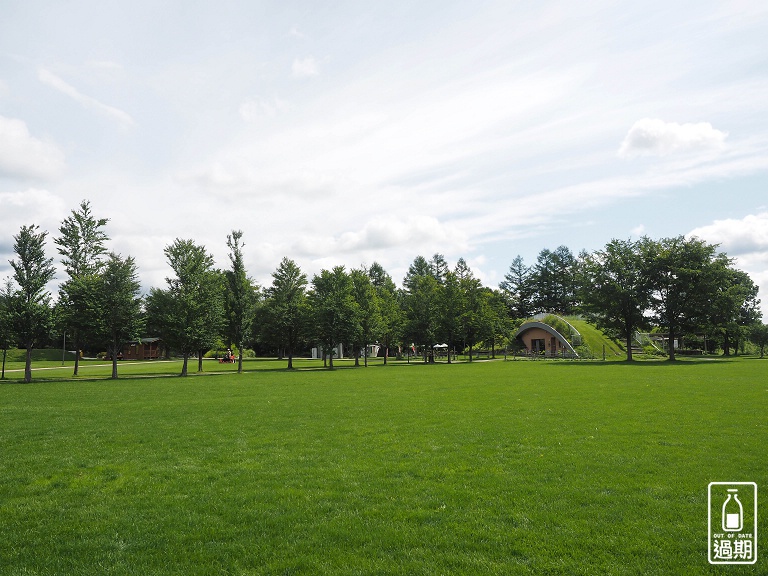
23,155
737,237
57,83
651,136
304,68
746,240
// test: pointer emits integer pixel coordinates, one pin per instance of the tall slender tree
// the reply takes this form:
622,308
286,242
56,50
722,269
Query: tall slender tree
517,290
451,307
120,301
196,313
32,272
241,297
369,313
7,311
391,314
421,306
283,314
81,245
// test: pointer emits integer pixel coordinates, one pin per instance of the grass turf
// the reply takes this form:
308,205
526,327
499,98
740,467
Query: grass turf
490,468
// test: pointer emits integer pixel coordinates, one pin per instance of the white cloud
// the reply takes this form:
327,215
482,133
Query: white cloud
746,240
23,155
31,206
638,230
54,81
415,234
651,136
737,236
304,68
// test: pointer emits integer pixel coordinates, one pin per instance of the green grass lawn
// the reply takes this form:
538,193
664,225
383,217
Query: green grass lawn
499,467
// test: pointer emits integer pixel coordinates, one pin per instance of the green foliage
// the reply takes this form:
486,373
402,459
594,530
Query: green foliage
192,308
241,296
282,317
335,312
120,302
30,304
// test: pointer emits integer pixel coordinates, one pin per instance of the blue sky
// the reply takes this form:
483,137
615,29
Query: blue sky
352,132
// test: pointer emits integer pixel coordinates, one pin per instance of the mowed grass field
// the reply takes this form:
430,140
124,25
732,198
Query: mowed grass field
516,467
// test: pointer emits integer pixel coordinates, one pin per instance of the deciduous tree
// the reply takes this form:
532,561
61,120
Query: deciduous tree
334,310
283,314
617,289
195,300
242,295
81,245
120,302
7,311
32,272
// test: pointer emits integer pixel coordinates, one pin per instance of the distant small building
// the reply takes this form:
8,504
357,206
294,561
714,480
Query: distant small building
541,339
142,349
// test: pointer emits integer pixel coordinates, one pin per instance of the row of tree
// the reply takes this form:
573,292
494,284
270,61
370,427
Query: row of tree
682,285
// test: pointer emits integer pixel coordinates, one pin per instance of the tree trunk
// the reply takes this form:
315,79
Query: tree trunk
330,359
629,346
28,365
184,365
199,360
365,355
290,358
240,360
76,340
671,345
114,366
5,353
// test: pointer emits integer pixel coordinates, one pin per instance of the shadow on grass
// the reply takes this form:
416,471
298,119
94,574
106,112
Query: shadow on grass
678,362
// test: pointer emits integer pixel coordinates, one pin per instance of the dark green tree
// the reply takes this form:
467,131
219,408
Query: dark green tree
498,325
120,302
553,281
283,315
420,302
475,314
32,272
368,313
517,289
7,311
451,307
81,245
242,297
617,289
758,333
390,312
734,306
195,316
334,310
684,277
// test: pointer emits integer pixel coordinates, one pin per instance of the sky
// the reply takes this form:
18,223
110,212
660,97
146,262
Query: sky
348,132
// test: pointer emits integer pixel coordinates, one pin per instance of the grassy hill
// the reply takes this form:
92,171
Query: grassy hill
595,339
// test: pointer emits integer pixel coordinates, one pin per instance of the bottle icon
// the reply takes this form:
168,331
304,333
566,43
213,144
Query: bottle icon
733,512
